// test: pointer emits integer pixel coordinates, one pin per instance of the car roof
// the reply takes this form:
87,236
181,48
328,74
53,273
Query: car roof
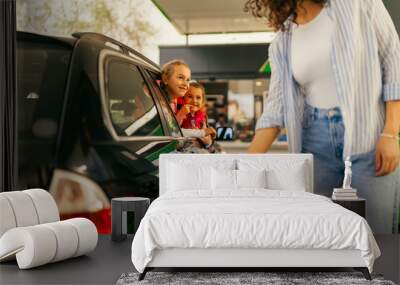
124,48
71,41
28,35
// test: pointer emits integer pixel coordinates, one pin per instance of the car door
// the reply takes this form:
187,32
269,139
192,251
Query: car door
138,130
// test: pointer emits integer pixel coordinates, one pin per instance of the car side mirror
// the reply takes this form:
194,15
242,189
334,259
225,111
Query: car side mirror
224,134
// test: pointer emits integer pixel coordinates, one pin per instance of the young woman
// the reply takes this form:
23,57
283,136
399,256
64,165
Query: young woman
335,86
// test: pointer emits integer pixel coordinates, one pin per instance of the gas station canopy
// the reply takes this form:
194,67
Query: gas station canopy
210,16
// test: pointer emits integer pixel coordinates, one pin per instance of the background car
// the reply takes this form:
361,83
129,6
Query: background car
92,122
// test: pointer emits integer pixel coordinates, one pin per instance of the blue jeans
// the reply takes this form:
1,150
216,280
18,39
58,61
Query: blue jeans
323,132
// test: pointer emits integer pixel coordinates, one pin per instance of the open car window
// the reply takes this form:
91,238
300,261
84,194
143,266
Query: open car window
131,106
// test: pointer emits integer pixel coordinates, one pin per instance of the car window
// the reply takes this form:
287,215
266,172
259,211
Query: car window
131,106
172,124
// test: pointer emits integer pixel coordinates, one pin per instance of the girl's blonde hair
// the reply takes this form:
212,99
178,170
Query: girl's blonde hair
168,68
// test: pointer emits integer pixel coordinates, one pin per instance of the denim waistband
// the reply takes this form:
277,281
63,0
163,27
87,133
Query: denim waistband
320,113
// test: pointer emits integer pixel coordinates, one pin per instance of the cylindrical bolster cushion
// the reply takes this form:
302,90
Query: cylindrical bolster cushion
87,235
67,240
34,246
41,244
45,205
7,218
23,208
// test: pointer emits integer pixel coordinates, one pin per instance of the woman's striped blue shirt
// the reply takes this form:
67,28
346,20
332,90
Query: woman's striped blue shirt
365,59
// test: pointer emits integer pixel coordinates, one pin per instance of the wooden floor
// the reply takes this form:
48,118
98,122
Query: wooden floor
110,259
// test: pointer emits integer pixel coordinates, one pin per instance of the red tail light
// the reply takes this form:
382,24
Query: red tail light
102,219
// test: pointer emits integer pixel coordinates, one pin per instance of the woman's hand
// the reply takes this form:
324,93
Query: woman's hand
387,156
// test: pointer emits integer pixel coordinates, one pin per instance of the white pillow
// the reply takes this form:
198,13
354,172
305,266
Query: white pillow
251,178
291,179
194,174
281,174
185,177
228,179
223,179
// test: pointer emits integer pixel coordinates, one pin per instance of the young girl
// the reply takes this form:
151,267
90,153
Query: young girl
194,105
175,77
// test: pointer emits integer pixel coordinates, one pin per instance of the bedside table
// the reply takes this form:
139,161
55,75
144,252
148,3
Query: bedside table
357,205
126,214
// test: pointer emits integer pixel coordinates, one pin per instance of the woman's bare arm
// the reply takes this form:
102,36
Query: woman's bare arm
263,139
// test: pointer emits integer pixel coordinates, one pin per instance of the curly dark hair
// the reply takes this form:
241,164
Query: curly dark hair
275,11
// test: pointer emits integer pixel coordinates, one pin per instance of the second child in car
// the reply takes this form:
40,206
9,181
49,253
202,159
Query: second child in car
194,108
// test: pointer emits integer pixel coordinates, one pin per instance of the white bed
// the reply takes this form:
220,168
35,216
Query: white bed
220,225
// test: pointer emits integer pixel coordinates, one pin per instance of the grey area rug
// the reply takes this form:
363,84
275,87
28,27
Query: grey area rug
232,278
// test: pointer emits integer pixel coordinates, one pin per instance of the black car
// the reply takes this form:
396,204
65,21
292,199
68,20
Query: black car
92,122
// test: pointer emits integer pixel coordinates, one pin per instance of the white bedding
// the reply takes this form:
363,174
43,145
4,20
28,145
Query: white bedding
252,218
